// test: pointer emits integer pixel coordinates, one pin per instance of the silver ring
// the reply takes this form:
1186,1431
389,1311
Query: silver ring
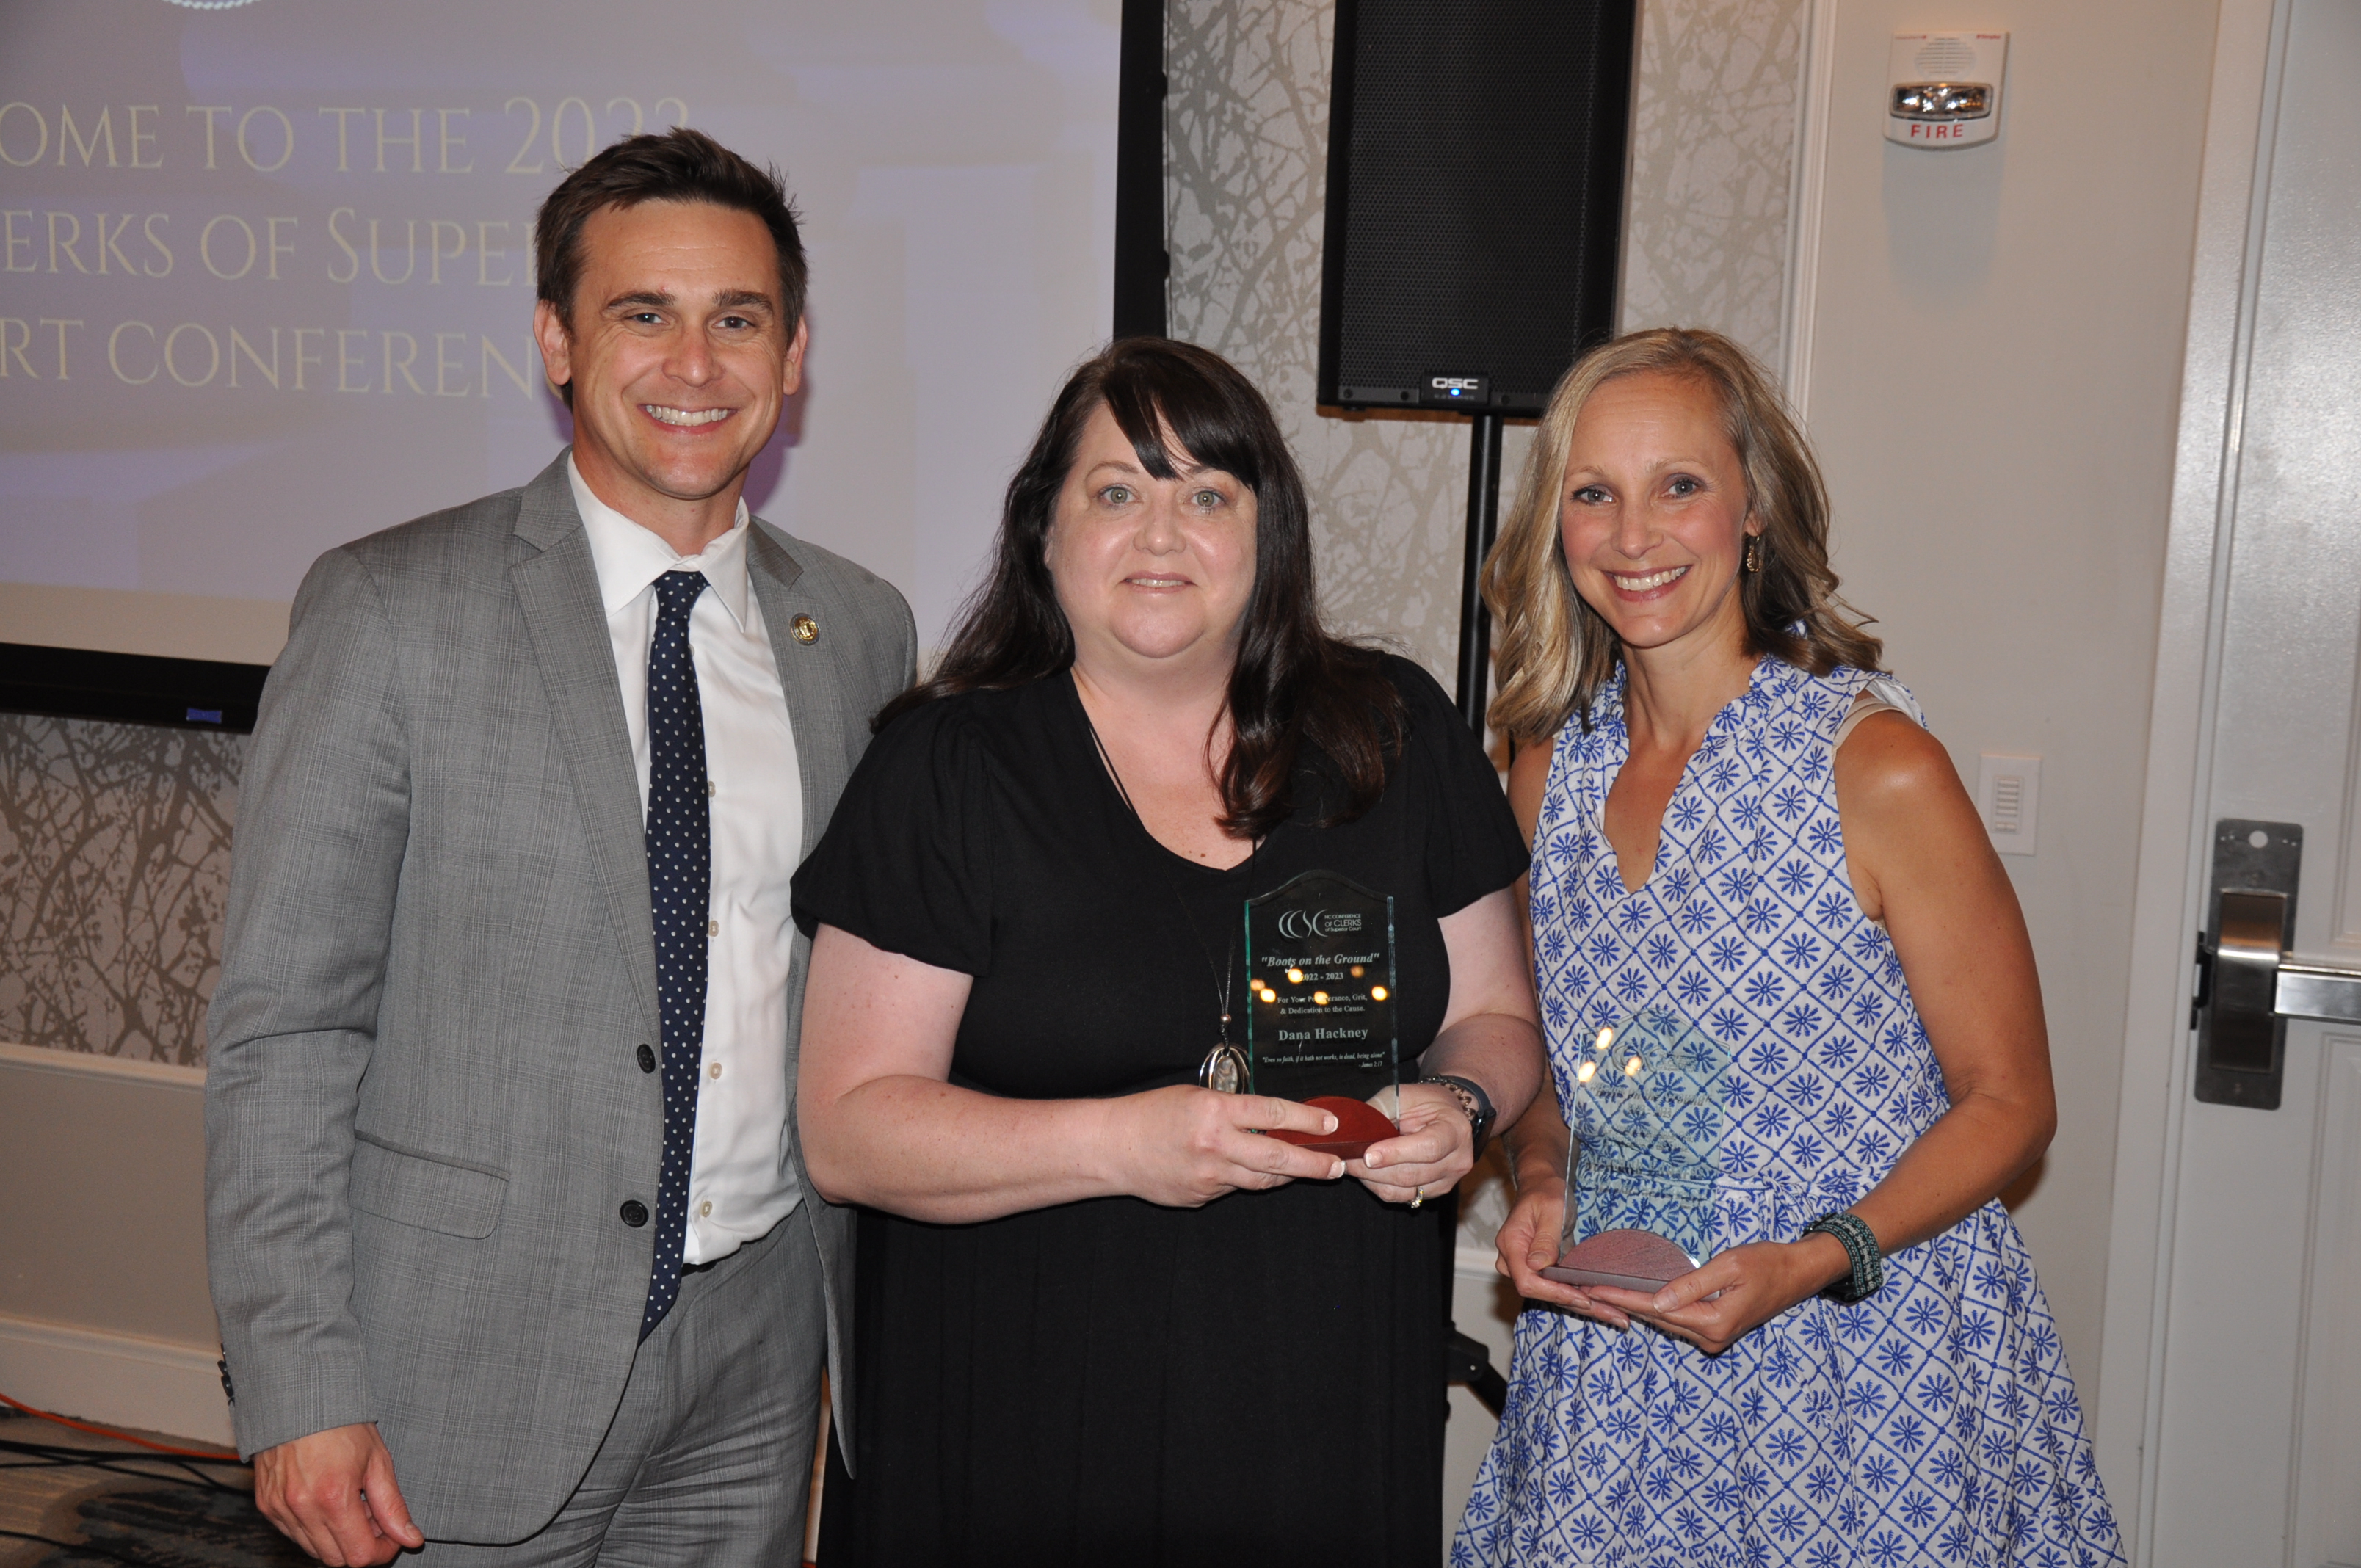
1417,1195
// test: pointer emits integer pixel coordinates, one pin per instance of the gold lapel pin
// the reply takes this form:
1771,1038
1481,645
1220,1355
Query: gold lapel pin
805,629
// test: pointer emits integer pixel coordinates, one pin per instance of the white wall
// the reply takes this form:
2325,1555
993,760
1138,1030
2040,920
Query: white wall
104,1313
1993,373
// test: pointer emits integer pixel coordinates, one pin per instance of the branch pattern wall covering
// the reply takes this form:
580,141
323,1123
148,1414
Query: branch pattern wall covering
1714,124
1245,166
115,859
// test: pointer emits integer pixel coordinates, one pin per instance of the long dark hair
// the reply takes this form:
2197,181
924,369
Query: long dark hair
1293,683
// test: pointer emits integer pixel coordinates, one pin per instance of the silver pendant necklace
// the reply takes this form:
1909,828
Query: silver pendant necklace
1224,1066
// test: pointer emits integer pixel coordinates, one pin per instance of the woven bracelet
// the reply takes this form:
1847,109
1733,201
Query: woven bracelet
1853,1233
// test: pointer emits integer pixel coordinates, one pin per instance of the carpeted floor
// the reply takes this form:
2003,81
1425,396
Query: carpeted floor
69,1499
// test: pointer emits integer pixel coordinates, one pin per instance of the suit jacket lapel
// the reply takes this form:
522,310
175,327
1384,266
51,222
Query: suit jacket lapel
807,673
557,587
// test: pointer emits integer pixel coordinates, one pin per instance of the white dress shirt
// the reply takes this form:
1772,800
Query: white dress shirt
740,1182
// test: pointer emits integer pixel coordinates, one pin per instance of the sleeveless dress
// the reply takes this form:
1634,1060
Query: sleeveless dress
1934,1423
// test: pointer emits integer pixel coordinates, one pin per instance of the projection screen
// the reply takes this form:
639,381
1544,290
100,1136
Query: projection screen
265,282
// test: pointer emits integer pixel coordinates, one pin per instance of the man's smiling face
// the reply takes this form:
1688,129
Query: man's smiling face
677,356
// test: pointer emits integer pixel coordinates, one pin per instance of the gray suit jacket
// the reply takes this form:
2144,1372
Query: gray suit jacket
422,1111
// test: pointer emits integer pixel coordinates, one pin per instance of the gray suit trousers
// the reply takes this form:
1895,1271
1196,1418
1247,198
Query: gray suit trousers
710,1461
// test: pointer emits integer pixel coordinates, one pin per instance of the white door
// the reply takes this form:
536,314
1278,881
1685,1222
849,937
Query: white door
2251,1450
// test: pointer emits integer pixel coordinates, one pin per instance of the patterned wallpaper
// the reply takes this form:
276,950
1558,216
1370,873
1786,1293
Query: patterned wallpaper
114,839
1713,156
114,861
1245,161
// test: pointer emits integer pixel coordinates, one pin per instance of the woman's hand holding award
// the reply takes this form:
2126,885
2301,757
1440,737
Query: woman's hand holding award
1320,1006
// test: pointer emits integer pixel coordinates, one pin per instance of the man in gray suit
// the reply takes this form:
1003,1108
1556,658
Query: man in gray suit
510,1237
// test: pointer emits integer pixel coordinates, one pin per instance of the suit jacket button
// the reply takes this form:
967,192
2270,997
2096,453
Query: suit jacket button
636,1213
805,629
647,1059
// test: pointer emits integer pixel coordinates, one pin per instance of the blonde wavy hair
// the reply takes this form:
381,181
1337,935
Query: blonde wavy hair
1555,651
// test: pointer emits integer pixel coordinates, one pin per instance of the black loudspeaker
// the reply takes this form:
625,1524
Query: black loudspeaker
1476,160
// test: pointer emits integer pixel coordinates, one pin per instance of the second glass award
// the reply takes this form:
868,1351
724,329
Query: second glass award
1648,1109
1321,1003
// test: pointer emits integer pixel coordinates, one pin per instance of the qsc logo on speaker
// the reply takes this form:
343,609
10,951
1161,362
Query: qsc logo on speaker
1459,391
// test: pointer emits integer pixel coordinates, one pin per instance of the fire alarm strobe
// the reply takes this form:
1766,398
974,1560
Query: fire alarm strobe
1944,88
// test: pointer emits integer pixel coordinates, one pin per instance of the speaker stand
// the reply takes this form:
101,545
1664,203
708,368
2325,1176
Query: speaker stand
1483,525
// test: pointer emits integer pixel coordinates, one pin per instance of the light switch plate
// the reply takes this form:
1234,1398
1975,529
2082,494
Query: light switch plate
2008,798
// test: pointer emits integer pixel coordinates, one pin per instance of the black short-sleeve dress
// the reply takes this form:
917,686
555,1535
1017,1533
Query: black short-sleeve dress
1111,1381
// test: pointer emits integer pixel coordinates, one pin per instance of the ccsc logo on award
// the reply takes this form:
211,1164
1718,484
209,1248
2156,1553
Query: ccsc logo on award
1296,924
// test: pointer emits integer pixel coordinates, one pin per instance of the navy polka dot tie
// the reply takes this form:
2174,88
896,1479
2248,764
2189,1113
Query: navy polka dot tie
680,877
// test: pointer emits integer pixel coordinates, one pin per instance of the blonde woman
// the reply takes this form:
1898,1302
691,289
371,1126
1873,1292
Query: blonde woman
1745,842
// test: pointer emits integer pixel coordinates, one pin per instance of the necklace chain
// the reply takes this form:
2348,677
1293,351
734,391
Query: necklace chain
1222,974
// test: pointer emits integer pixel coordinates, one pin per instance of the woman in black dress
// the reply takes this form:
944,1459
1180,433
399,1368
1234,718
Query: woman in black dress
1102,1317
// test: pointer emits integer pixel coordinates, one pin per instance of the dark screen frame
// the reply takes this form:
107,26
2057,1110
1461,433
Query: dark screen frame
205,693
130,688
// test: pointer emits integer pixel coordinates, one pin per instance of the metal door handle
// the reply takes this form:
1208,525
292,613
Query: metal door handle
2249,980
2321,992
2246,989
2247,953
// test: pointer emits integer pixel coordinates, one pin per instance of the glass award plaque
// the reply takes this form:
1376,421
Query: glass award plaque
1321,1005
1648,1113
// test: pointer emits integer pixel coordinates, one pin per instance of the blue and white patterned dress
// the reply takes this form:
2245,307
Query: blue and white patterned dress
1934,1423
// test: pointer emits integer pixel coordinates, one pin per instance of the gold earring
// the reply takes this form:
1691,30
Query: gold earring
1753,552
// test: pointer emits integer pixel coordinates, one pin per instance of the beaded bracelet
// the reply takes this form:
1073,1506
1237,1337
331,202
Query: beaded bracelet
1853,1233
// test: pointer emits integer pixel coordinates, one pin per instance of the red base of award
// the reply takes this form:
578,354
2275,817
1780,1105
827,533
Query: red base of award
1358,1124
1634,1260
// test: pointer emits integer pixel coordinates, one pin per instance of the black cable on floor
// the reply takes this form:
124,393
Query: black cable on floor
198,1483
118,1455
91,1547
119,1462
59,1455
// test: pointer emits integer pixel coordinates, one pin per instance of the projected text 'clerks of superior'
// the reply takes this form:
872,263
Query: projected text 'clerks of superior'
232,247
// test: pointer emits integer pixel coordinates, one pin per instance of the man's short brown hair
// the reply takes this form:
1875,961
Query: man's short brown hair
679,165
